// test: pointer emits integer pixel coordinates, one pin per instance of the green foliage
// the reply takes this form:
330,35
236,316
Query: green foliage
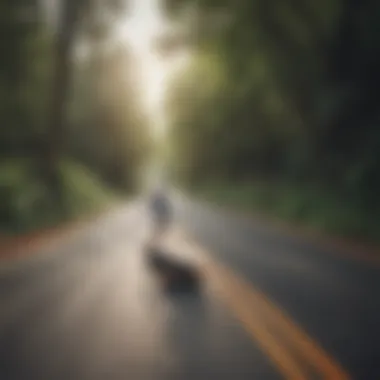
290,95
26,201
24,72
319,209
96,146
107,129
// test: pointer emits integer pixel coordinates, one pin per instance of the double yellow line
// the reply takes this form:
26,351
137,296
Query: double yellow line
290,348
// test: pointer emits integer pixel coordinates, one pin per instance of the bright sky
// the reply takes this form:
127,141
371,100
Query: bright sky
146,22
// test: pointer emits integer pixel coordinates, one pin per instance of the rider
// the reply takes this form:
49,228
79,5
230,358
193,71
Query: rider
161,212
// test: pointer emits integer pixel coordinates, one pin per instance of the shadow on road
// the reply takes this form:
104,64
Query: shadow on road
178,278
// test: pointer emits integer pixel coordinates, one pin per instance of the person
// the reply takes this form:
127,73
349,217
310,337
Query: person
161,211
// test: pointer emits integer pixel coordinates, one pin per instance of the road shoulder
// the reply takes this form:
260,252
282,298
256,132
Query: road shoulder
19,246
344,247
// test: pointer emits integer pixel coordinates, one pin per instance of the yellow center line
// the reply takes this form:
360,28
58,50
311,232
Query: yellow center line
254,300
253,324
263,319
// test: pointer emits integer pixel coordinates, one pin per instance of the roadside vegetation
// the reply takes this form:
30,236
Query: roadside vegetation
72,135
278,111
305,207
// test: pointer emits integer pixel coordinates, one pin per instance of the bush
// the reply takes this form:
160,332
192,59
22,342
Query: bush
310,206
26,203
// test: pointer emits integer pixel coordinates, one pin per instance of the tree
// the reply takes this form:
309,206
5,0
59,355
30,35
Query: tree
299,99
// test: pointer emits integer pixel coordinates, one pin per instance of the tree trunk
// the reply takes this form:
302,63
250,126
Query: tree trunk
59,97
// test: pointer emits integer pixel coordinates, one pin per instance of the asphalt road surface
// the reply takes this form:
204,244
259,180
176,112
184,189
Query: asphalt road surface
331,294
86,306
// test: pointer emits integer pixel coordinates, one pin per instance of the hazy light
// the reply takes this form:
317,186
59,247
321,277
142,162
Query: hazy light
143,27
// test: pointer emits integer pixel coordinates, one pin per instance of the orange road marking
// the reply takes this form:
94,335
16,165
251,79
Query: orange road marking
280,338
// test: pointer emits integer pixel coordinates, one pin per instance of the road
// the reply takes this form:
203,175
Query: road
87,307
333,296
